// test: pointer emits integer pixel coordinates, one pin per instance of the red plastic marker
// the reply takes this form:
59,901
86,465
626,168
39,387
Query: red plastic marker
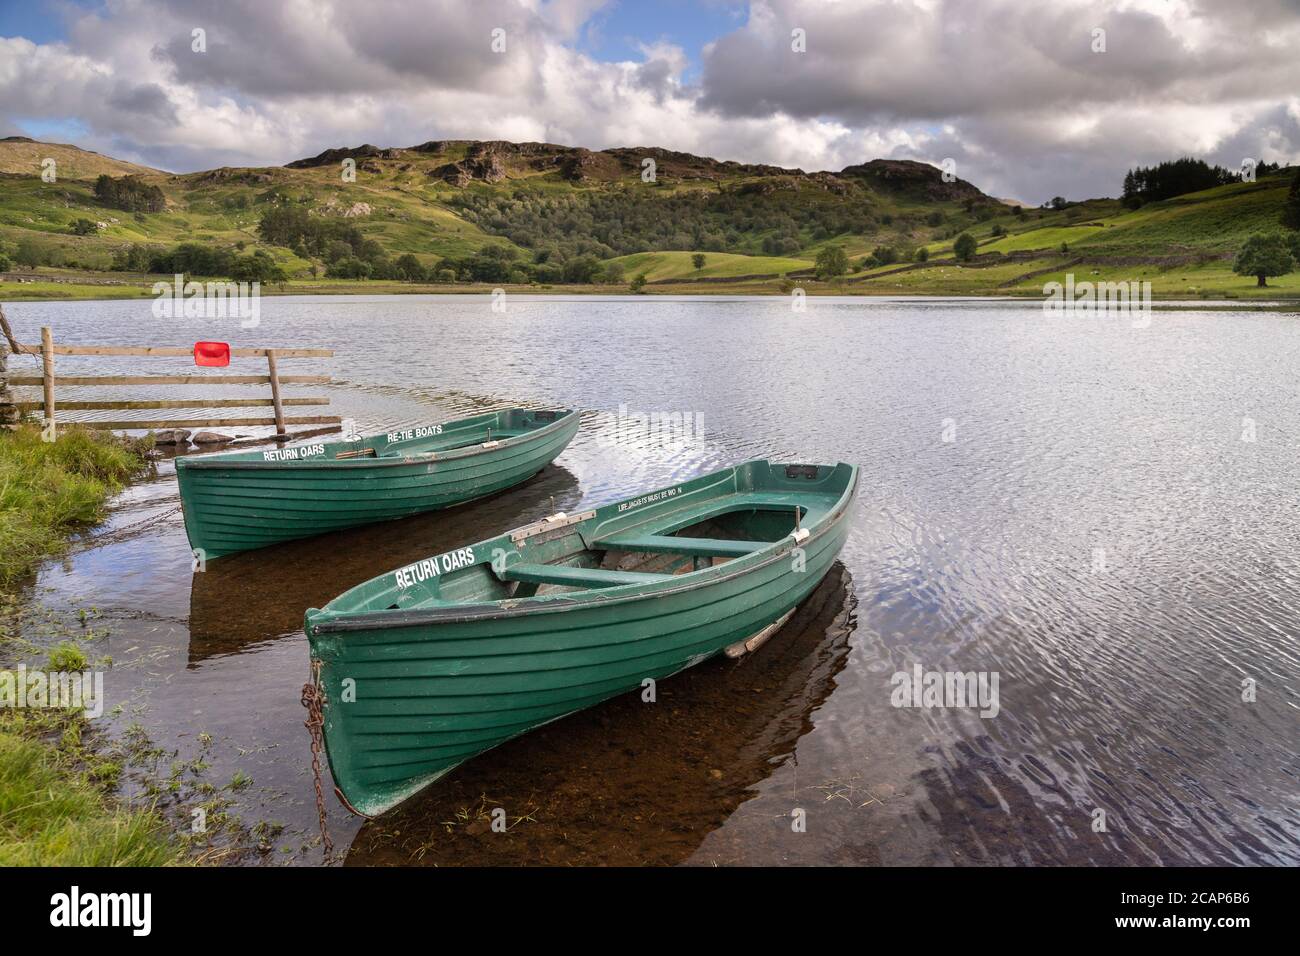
216,354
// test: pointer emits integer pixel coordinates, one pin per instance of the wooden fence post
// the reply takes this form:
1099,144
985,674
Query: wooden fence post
47,376
8,410
275,393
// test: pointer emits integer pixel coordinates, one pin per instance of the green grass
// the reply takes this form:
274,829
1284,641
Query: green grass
53,810
1214,280
52,814
1047,238
48,489
66,656
71,289
951,279
678,265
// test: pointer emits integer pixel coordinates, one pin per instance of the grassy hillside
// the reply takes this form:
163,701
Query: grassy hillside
541,216
20,156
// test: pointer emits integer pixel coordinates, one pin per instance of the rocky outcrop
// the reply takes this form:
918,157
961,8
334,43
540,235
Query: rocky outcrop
494,161
333,156
454,173
228,174
483,162
582,165
689,166
172,436
912,178
343,209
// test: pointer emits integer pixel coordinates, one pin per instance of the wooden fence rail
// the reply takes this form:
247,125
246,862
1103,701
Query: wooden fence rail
47,380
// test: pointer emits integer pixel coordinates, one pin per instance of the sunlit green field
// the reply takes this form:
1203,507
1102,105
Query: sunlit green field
677,265
1049,238
1213,280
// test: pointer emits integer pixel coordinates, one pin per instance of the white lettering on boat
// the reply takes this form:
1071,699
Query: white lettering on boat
293,454
408,434
649,499
422,571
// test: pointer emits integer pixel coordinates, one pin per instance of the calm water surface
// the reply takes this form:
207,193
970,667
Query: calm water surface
1103,516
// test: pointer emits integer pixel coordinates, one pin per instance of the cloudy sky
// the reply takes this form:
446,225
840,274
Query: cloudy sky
1016,92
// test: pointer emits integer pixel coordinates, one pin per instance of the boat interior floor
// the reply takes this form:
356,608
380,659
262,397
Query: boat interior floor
430,447
690,539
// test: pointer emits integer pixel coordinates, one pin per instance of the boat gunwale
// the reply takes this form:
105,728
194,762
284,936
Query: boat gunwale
378,620
213,462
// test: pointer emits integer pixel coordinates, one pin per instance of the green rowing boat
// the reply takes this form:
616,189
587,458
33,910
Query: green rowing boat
422,668
238,501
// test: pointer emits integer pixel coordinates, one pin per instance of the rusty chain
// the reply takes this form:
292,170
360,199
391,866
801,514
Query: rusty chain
116,534
312,698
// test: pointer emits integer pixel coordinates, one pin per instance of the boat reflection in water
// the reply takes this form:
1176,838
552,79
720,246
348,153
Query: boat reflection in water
248,599
631,782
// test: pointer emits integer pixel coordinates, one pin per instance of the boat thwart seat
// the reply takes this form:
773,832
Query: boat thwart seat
576,577
670,544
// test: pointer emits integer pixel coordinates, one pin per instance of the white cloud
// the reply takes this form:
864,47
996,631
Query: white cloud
1009,88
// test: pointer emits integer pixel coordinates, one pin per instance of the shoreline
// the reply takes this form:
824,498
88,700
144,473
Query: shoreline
62,290
52,761
1009,277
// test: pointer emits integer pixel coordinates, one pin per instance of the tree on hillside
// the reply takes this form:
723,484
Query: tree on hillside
638,283
581,270
831,262
921,255
29,254
259,267
409,268
349,268
1169,179
1291,207
134,258
129,193
1293,243
964,247
1264,254
697,260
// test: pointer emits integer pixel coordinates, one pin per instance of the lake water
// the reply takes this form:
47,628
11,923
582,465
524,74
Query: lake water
1101,516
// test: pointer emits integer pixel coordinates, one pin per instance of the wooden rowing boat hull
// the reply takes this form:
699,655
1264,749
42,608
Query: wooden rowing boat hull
410,694
236,503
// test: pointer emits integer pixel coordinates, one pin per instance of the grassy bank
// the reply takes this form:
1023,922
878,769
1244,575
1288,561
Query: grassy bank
48,489
54,811
54,806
